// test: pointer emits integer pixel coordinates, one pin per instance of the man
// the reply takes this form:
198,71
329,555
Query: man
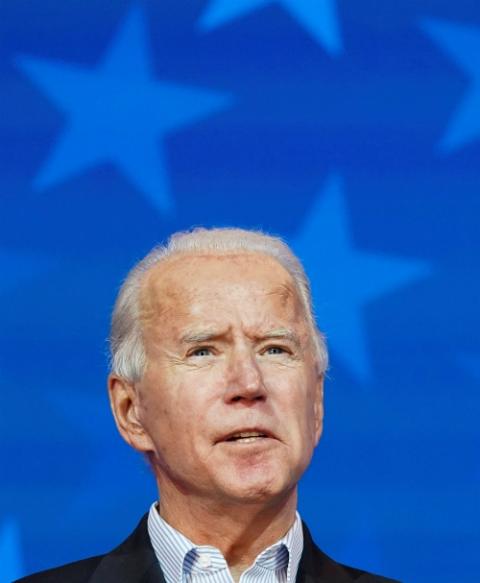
217,378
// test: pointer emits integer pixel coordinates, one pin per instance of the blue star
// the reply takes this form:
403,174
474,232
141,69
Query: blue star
462,44
317,16
117,113
343,279
10,556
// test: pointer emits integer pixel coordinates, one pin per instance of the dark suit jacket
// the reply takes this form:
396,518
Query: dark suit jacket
134,561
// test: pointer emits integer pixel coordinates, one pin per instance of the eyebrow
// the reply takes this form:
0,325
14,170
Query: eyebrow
282,334
194,337
200,336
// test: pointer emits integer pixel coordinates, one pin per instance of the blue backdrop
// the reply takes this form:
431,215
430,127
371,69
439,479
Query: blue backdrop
352,129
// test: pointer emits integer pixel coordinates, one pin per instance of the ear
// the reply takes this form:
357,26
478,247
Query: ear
125,407
318,408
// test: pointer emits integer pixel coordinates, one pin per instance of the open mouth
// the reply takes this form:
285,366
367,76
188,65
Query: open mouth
246,436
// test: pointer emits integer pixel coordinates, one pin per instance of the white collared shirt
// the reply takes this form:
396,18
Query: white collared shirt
184,562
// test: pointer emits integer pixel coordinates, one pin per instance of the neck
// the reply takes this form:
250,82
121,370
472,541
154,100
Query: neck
239,530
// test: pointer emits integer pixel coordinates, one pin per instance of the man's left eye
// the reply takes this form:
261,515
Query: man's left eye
203,351
275,350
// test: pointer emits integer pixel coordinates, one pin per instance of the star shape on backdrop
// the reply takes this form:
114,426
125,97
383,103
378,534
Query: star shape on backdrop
11,564
118,113
462,44
318,17
344,280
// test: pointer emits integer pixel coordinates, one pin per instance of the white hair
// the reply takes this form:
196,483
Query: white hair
128,358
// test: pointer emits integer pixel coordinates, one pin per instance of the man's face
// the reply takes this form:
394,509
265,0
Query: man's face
231,400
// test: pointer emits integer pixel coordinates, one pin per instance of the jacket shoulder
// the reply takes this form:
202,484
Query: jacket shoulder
133,561
77,572
360,576
316,566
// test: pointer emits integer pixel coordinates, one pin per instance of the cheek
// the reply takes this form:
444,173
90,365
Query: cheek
178,414
287,380
295,402
161,408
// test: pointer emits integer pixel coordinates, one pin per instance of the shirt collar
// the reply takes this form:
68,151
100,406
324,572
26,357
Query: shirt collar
173,549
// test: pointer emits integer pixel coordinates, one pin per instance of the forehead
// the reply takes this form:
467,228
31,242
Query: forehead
200,286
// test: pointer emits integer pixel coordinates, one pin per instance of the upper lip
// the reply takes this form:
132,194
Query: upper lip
257,430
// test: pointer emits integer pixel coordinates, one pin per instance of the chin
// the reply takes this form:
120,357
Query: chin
258,489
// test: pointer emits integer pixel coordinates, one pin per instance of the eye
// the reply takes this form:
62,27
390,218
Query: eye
201,351
275,350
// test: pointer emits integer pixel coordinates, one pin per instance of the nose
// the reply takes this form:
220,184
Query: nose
244,379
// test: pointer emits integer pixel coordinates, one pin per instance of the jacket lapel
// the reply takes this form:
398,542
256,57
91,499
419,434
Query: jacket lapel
134,561
316,567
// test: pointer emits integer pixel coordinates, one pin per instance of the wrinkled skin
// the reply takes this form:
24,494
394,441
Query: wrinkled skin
228,350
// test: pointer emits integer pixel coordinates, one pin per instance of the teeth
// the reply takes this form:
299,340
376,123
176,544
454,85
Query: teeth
246,435
249,439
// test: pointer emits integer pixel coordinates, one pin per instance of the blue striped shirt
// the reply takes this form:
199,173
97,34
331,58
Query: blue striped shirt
184,562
